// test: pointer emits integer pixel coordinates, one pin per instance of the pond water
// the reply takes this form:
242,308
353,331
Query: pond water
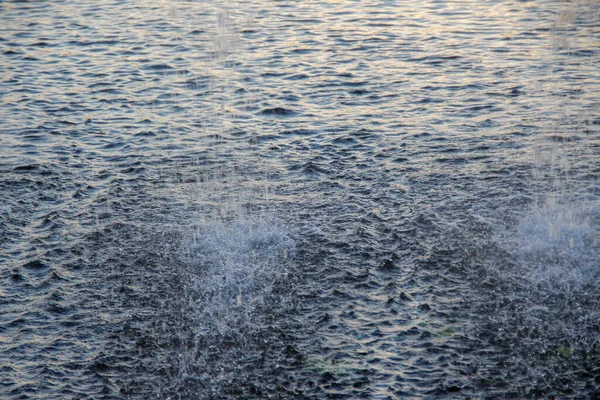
319,199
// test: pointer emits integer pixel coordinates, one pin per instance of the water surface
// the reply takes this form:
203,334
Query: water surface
299,200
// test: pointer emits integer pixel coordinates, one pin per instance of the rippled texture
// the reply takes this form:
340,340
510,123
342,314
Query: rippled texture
299,199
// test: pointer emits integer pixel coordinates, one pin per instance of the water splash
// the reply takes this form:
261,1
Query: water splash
237,274
559,242
233,267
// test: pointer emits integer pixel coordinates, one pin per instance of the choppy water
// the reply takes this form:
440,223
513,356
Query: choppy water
299,199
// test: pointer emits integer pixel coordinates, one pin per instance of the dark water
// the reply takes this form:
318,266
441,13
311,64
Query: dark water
299,199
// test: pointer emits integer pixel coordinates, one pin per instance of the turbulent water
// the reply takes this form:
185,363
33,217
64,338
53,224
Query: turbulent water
378,199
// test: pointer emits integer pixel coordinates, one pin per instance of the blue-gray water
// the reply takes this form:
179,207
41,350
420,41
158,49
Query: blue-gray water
276,199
